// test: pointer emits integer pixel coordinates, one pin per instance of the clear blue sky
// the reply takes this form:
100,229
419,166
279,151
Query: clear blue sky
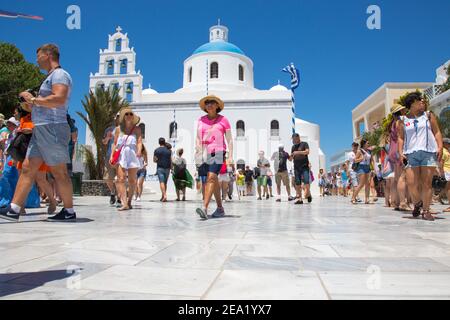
340,60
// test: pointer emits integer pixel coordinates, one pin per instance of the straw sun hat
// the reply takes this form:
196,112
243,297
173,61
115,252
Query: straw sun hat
209,98
396,108
136,119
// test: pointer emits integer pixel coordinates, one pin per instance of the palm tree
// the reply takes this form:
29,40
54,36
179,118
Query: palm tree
101,108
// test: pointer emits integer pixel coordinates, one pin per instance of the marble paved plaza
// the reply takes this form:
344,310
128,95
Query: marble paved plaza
261,250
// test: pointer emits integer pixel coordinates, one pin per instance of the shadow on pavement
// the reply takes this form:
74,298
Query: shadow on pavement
27,281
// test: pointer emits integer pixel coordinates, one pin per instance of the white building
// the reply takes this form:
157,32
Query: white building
369,113
438,94
260,119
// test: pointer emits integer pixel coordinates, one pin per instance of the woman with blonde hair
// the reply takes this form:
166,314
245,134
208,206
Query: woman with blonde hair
129,141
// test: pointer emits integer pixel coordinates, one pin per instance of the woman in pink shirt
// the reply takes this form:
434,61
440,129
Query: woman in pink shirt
212,132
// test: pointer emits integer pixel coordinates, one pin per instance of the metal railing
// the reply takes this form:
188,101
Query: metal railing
434,91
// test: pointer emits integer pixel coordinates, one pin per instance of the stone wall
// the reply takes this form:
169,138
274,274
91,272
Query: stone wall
94,188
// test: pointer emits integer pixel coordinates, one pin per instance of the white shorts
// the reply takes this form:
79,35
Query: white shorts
224,177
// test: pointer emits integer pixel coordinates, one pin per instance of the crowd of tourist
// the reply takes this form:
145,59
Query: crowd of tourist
37,144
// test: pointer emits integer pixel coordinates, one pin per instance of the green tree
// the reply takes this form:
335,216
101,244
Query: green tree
444,123
16,75
374,138
101,108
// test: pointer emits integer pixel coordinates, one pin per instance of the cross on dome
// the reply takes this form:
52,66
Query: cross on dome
118,29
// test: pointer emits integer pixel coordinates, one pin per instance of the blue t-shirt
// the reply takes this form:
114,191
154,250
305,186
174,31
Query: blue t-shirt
42,115
164,157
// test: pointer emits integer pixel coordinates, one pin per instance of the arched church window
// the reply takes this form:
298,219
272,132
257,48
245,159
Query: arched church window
129,91
119,45
241,73
114,86
173,127
142,127
110,66
190,74
275,128
214,74
240,128
124,66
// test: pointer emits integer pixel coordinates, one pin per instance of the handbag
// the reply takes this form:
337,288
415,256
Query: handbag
18,147
116,154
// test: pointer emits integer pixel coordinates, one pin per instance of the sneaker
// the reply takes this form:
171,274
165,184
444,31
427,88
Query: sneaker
9,214
112,199
298,202
63,215
219,213
259,198
138,199
202,213
267,197
309,199
278,200
291,198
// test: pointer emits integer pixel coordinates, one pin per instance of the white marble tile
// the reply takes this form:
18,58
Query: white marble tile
120,244
161,281
268,284
101,257
111,295
385,249
408,285
284,250
21,292
190,255
25,253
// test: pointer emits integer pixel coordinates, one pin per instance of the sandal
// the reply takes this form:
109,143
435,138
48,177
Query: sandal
123,209
353,201
426,215
416,211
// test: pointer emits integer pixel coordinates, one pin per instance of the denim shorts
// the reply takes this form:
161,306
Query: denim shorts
302,176
50,142
421,159
163,175
215,162
363,169
142,173
269,181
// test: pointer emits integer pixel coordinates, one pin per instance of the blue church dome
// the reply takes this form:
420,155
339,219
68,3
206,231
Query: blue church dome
219,46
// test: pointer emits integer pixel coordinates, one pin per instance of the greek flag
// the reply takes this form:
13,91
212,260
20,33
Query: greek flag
293,71
8,14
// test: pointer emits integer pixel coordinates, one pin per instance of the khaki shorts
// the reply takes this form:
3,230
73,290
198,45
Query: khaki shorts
110,172
282,176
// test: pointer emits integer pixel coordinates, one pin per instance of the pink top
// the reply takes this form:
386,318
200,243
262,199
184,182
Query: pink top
212,133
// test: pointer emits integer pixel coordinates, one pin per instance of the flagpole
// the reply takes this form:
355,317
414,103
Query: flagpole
293,111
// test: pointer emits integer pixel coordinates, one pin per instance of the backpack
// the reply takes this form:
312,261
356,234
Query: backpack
180,170
18,147
256,172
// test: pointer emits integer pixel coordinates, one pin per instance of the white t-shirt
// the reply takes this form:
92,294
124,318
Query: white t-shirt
351,158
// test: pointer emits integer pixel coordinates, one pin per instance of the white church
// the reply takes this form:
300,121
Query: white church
260,119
